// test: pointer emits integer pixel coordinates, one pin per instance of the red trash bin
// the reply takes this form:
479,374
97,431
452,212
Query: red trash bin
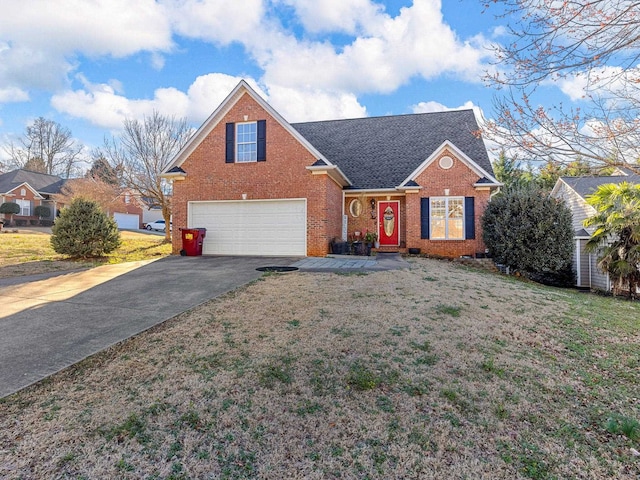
192,239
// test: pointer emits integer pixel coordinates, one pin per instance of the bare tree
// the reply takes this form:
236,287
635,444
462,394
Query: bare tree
90,188
143,150
47,141
595,43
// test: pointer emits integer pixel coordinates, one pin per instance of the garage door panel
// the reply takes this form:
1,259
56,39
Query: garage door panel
127,221
270,227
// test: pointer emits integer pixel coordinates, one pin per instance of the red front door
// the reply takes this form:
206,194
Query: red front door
389,223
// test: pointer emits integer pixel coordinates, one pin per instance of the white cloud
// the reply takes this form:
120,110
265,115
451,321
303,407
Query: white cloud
104,105
349,16
431,106
606,82
299,105
40,39
417,42
103,27
208,91
215,20
13,94
306,76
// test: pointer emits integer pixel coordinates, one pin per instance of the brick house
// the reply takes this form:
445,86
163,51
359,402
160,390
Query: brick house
30,189
263,186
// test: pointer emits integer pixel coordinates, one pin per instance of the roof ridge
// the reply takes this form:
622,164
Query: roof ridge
384,116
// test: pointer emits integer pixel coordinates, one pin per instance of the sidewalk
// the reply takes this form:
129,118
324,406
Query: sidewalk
350,263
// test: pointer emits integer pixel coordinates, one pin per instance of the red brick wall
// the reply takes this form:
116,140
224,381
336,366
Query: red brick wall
283,175
459,179
365,222
29,195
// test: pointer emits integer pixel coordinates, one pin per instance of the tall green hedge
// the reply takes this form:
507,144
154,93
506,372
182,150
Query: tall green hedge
527,230
83,230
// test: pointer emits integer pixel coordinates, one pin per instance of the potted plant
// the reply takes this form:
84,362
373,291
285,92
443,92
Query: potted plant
369,239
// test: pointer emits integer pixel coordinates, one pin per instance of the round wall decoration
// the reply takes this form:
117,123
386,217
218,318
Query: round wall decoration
446,162
355,207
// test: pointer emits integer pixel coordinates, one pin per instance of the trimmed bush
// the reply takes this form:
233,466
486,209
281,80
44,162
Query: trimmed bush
527,230
42,211
10,207
83,230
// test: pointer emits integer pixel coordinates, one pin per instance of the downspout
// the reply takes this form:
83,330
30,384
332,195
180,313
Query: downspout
578,258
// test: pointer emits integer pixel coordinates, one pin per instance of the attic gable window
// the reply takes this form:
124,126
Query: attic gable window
246,142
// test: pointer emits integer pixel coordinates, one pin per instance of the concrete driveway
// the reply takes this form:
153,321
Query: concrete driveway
50,322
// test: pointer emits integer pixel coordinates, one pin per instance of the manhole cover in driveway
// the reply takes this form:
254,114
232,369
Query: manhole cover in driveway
277,269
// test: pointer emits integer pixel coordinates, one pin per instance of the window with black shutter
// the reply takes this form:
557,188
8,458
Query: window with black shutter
246,142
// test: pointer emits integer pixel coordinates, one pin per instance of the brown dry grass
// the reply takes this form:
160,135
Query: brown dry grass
29,252
436,371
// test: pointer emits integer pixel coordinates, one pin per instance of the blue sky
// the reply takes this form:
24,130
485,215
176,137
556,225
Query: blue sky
90,65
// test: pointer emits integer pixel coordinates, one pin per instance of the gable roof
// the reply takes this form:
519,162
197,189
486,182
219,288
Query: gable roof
585,186
209,124
396,145
40,182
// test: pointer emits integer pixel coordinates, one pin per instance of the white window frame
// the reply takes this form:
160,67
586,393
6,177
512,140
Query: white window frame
25,206
447,219
253,153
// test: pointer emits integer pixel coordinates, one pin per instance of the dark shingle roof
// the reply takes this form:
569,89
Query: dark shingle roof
587,185
40,182
381,152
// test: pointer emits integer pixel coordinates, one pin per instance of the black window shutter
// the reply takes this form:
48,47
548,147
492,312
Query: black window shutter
230,154
424,217
262,140
469,218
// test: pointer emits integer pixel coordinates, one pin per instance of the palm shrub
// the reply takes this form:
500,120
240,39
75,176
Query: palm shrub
83,230
10,208
617,234
528,231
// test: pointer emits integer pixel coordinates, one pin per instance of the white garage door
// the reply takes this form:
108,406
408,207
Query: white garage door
252,227
127,221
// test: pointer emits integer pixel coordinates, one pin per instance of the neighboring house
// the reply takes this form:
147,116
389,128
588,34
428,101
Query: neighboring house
151,211
574,191
127,210
263,186
29,190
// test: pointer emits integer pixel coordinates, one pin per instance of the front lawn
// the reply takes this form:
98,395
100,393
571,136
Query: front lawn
29,252
434,372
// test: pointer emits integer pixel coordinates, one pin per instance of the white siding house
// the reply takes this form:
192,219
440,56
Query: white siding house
574,191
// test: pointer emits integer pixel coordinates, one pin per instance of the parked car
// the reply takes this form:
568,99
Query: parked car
159,225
